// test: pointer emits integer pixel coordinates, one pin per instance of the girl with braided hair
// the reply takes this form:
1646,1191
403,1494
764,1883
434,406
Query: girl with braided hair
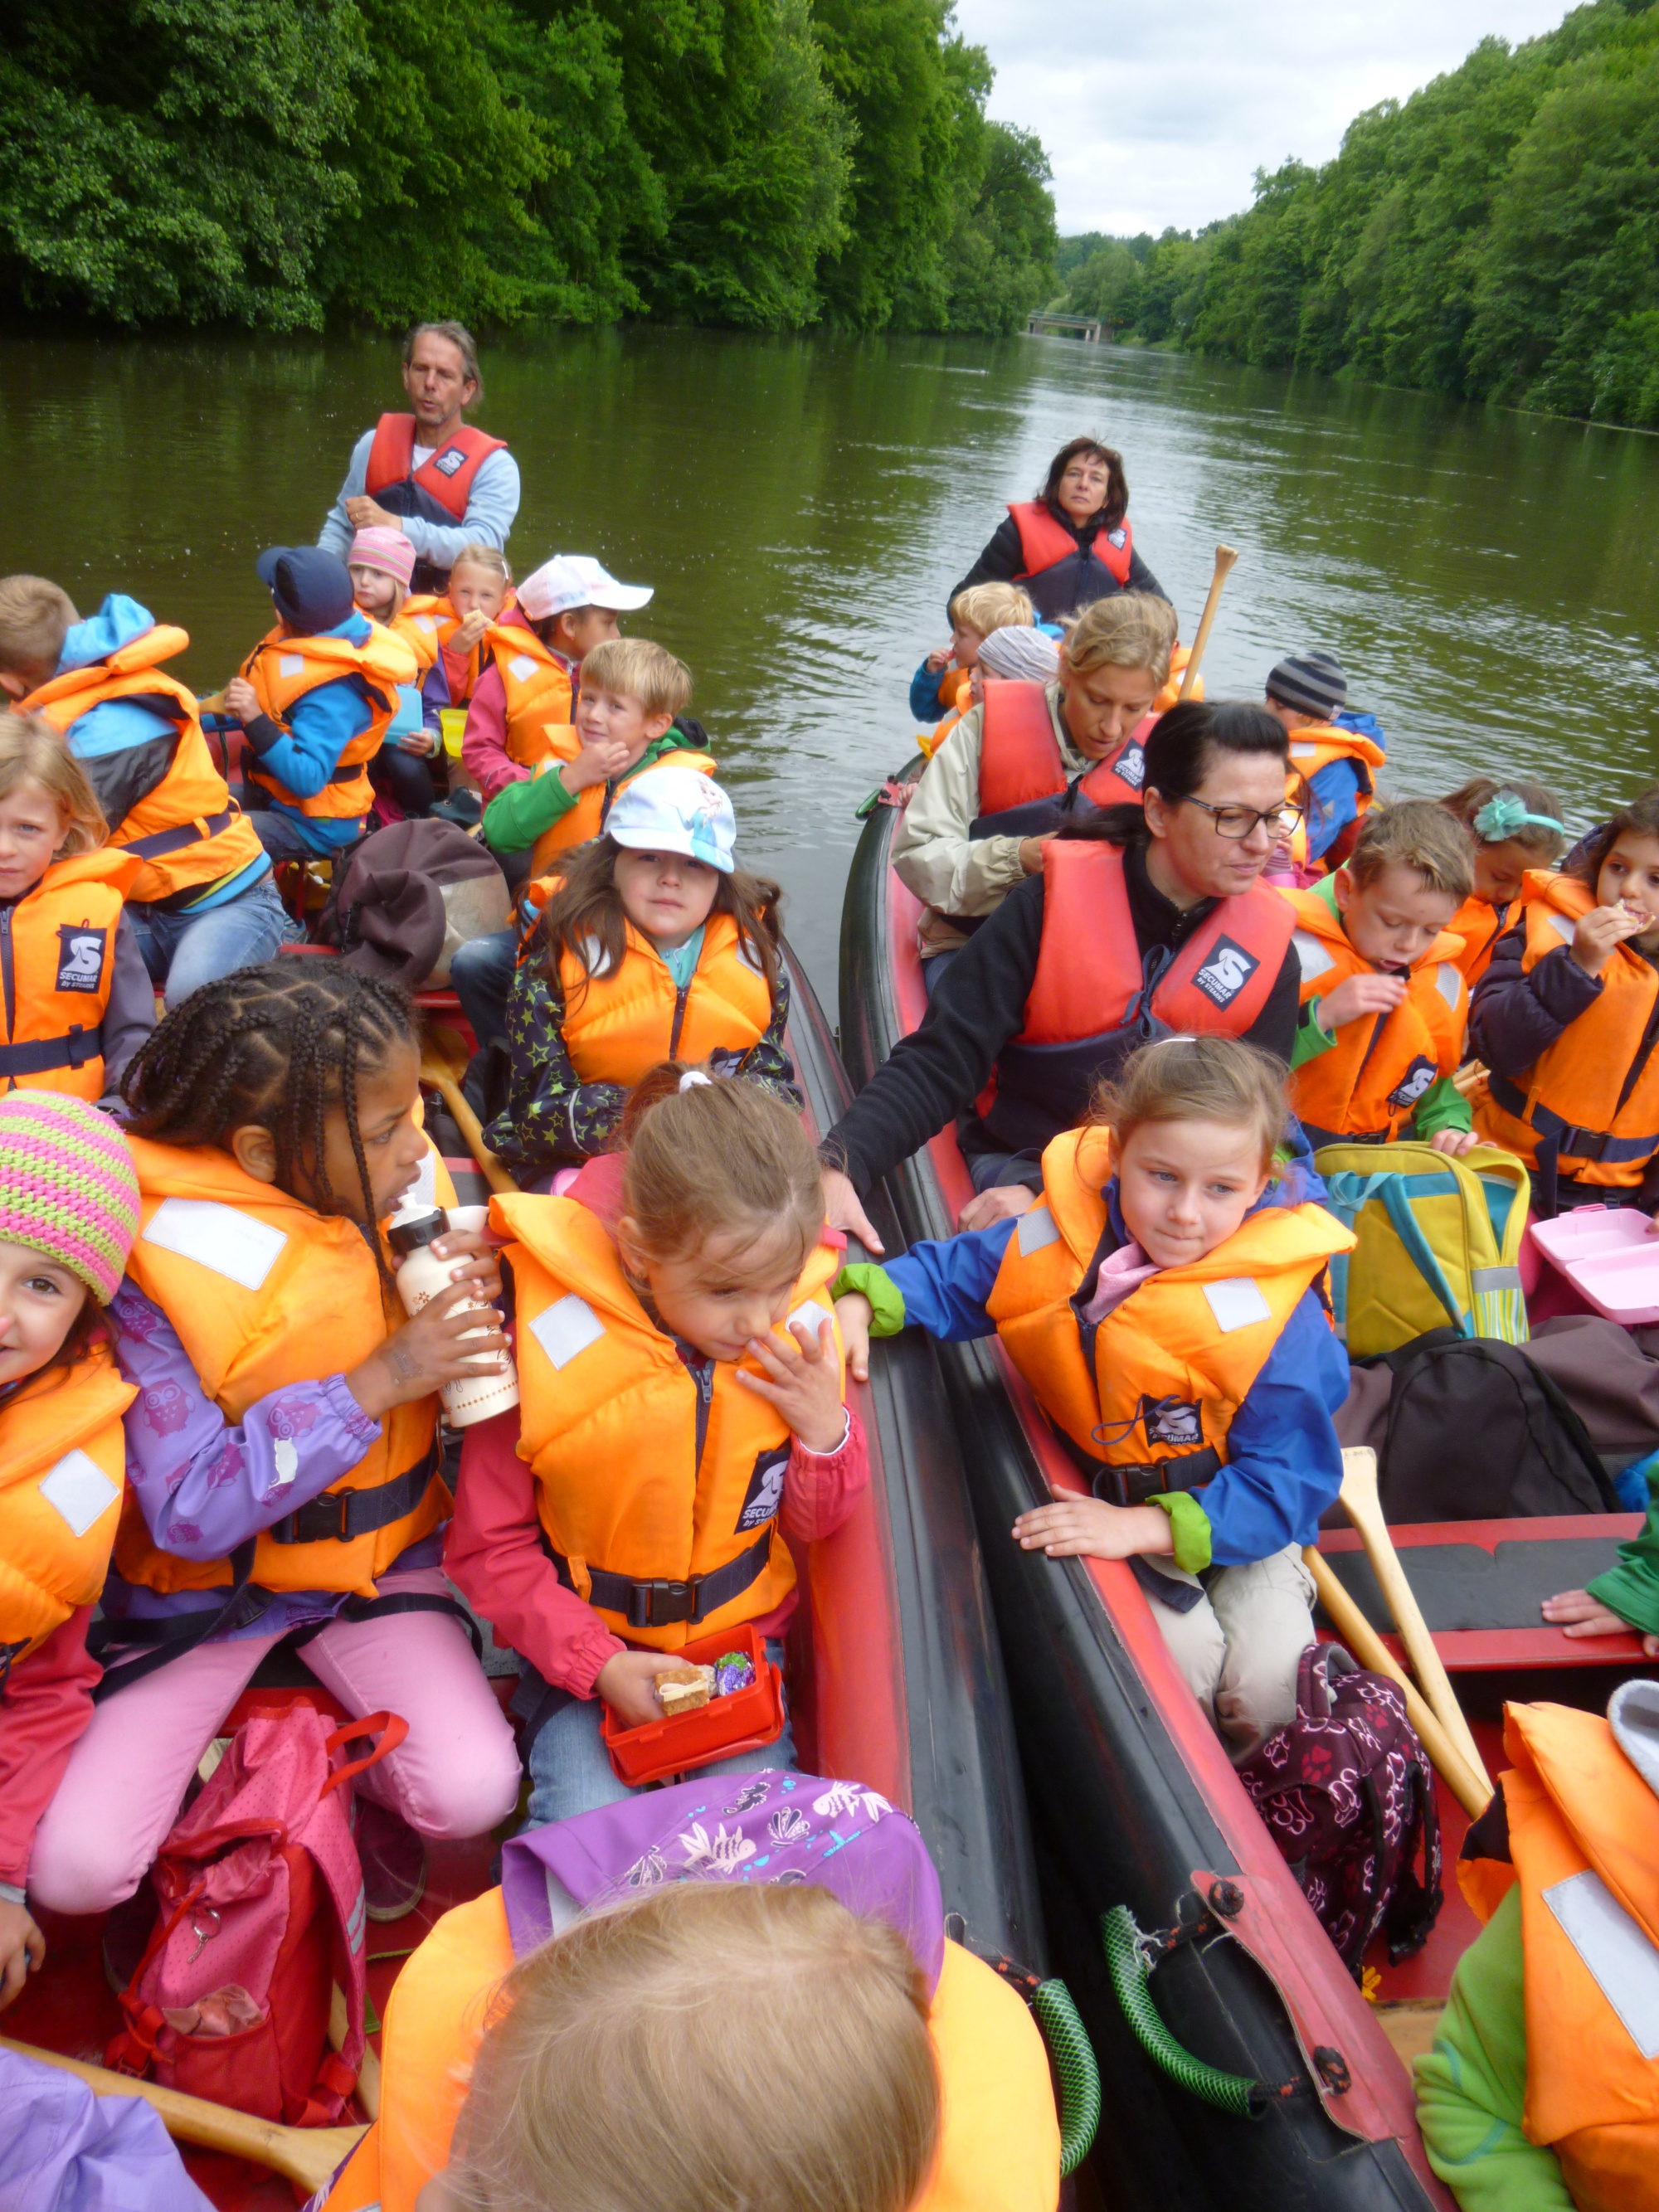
282,1463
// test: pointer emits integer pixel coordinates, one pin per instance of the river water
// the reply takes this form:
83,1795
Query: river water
1489,579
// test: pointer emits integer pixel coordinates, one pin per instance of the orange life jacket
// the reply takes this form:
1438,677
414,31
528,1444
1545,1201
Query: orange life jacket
433,615
187,829
618,1024
1089,1001
960,694
440,489
1170,695
586,820
1479,925
1059,575
659,1506
63,1468
538,684
1020,765
283,668
1370,1082
1315,747
263,1292
1568,1105
1154,1396
57,962
1000,2143
420,627
1584,1831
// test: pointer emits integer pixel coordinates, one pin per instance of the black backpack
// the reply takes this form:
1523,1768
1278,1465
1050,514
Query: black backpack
1477,1432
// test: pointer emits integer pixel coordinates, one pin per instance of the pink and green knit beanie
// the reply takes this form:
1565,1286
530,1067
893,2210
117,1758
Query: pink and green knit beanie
68,1187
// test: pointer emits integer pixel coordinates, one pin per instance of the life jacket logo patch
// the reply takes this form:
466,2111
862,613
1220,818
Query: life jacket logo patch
1226,972
1117,537
764,1495
1175,1422
80,957
1418,1078
1130,766
450,462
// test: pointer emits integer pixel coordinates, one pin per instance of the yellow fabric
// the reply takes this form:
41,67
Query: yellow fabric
617,1025
1000,2138
584,821
1166,1341
52,1557
69,918
611,1434
282,668
321,1310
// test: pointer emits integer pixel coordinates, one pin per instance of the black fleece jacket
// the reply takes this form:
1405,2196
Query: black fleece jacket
1003,560
979,1004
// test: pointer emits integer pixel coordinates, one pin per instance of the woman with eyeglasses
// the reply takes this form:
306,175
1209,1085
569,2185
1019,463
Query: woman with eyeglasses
1145,922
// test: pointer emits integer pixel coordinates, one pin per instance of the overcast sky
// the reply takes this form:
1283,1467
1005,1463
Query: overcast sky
1161,112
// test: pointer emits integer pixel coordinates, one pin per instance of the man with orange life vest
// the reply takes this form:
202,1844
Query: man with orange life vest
1541,2091
203,902
428,473
1071,544
1141,922
1334,754
315,699
1050,742
1385,1005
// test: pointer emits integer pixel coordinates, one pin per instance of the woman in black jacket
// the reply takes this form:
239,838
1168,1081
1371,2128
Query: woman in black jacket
1072,544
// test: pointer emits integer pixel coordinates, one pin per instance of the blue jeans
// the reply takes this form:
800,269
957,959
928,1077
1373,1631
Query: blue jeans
482,974
570,1771
285,838
182,951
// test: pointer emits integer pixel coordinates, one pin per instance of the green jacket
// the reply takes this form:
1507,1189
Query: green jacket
518,815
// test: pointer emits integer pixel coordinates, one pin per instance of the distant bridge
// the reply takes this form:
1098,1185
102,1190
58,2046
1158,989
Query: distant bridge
1090,328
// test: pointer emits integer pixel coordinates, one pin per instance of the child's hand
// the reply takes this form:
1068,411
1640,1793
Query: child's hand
939,660
628,1683
801,1377
426,1353
1365,993
1090,1527
241,700
1576,1613
853,1313
22,1948
472,627
477,1261
1600,931
422,741
595,764
1453,1141
1000,1203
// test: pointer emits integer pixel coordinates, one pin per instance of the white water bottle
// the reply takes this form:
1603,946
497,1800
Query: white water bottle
422,1277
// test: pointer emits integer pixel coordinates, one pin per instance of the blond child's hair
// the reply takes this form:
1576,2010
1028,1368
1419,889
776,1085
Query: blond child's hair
986,607
35,615
1133,629
718,1157
1420,835
1197,1078
31,751
705,2046
477,555
640,670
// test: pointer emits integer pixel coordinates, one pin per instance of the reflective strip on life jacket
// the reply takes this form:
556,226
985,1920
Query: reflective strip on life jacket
63,1468
57,966
617,1025
445,477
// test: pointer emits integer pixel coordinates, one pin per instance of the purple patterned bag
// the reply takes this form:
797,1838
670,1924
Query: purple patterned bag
1347,1794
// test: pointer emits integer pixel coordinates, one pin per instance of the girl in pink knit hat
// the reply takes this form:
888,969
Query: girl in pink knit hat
380,563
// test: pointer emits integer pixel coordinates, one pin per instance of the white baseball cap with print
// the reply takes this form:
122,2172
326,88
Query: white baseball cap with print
676,809
569,581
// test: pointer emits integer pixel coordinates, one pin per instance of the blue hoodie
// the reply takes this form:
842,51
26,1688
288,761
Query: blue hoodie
320,726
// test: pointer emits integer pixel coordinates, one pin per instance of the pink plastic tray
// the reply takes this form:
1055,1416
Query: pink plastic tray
1611,1256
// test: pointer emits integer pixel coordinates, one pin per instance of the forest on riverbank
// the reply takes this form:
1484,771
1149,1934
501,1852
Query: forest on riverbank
283,164
1495,236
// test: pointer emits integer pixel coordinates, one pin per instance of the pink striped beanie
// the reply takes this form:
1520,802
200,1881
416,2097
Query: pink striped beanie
68,1186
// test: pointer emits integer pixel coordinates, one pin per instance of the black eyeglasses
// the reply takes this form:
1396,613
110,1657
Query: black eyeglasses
1239,823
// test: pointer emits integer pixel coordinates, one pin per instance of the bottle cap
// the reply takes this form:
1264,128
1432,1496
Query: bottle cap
408,1236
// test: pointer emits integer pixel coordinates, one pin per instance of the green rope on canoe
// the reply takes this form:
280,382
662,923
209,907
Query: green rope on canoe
1126,1961
1074,2057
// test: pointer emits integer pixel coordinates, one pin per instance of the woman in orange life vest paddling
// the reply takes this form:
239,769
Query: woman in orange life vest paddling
1566,1018
78,1002
68,1207
681,1416
1516,826
1026,757
1385,1005
380,563
202,902
654,946
1071,544
1162,1300
283,1455
1144,920
636,2018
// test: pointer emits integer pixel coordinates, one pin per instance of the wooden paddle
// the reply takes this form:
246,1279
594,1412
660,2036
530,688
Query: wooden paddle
1368,1647
1225,557
443,1065
306,2156
1364,1508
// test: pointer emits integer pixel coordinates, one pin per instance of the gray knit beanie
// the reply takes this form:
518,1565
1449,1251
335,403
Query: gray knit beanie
1310,684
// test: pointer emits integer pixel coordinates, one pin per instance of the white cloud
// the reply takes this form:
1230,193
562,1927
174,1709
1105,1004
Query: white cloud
1161,113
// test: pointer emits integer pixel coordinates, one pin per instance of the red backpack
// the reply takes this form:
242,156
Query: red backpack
262,1915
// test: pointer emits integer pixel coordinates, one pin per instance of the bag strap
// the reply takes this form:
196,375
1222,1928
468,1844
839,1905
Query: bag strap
1397,1204
391,1727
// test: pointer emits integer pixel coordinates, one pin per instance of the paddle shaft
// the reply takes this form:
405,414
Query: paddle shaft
306,2155
1368,1647
468,1123
1225,557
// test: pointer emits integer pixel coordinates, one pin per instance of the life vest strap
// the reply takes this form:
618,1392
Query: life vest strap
663,1604
8,1653
173,1634
1133,1486
339,1516
41,1055
1570,1142
163,841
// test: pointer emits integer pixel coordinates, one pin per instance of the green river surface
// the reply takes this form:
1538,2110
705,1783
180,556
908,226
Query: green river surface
803,506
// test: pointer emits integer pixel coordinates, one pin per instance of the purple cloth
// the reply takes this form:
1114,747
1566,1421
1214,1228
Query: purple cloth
766,1826
62,2149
